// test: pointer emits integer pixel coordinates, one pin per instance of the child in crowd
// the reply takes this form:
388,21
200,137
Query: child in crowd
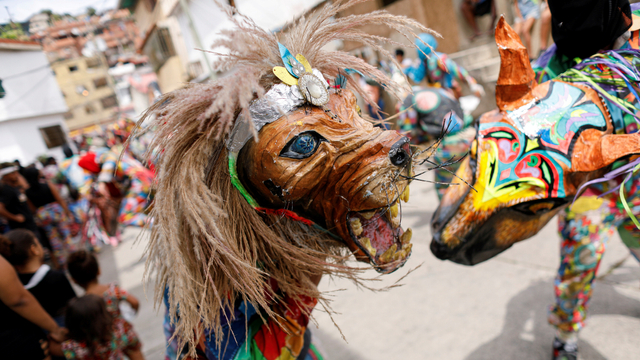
84,269
50,287
94,333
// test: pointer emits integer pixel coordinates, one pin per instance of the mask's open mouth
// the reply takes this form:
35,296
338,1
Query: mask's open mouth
378,234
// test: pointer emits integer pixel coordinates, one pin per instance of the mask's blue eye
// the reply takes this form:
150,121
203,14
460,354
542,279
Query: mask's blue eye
302,146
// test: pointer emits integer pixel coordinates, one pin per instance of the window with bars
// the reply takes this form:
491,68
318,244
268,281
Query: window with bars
109,102
159,47
53,136
93,62
100,82
194,69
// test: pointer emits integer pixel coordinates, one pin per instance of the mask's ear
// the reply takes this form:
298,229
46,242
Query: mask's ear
594,151
515,81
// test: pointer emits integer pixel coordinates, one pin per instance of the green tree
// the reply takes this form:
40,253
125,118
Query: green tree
91,11
12,31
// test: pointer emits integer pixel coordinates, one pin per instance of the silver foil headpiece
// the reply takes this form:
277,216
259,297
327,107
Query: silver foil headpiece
280,100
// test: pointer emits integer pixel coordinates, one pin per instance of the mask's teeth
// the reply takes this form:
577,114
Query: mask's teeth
367,245
394,210
399,255
406,237
405,195
356,226
387,256
367,215
392,215
395,222
406,250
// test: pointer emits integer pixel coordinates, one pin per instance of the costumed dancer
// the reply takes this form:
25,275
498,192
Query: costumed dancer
265,178
438,69
121,182
588,225
567,146
134,181
77,181
423,113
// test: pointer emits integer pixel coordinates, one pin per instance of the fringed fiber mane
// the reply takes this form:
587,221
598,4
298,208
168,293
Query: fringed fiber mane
208,246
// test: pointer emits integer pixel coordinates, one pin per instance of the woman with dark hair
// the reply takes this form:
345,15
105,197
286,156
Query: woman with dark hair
22,320
95,334
51,287
52,214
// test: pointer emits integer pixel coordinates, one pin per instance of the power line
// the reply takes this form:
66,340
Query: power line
40,82
26,72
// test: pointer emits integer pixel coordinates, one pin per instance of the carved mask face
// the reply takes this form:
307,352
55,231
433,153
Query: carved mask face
342,173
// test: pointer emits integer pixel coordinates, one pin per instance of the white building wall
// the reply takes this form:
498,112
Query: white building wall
32,94
209,20
21,139
33,100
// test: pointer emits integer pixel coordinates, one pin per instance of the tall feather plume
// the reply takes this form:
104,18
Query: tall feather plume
206,241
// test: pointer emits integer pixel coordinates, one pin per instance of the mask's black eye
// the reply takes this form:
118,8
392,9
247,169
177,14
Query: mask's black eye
539,207
303,145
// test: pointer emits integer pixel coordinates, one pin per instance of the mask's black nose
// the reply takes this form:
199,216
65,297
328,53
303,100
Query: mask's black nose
440,250
400,153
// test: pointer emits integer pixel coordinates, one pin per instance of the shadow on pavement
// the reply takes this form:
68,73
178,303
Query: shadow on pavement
526,333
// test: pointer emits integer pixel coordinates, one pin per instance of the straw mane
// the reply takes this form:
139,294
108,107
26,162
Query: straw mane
208,245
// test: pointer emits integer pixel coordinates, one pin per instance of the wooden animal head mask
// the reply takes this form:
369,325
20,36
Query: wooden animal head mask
532,155
269,175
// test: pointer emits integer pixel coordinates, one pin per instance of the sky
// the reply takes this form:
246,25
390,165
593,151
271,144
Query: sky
21,10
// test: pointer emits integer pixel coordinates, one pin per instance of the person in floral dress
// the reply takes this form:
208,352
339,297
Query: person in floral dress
94,333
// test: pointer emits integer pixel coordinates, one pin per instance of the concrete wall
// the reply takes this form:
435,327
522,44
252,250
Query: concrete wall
503,7
21,139
439,15
171,76
209,20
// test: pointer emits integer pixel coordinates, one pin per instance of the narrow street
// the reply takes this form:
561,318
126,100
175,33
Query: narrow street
444,311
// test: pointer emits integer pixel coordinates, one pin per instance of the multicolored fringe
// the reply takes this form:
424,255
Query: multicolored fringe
606,73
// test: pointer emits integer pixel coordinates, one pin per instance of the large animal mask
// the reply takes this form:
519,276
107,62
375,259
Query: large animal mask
342,173
268,177
532,155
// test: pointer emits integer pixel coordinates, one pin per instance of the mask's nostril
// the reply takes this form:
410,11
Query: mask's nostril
399,157
399,153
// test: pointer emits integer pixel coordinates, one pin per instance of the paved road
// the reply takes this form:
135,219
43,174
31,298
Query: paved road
444,311
125,265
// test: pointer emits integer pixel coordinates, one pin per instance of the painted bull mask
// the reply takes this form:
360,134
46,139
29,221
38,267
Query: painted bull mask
532,155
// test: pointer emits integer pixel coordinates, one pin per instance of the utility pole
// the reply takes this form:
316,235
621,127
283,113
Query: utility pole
10,19
196,37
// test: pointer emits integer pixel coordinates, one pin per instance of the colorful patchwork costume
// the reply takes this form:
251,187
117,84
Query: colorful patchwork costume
587,226
135,184
574,137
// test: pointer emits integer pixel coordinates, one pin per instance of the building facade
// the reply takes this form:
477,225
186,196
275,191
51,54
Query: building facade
174,31
162,40
88,91
31,111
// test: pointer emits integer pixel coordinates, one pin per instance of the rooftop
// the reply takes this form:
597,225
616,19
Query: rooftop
11,44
